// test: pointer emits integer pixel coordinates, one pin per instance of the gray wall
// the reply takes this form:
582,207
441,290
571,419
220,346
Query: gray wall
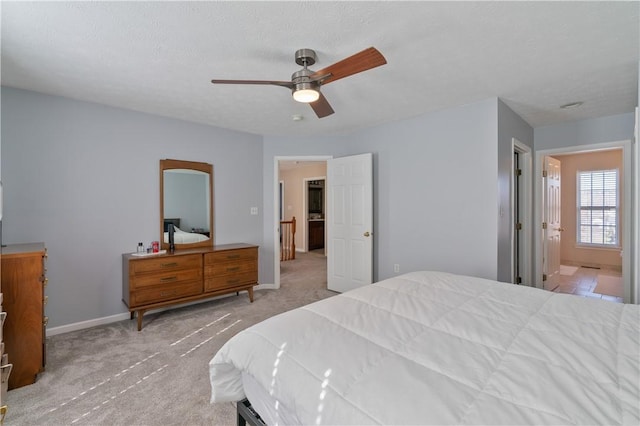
510,125
635,189
84,178
584,132
435,202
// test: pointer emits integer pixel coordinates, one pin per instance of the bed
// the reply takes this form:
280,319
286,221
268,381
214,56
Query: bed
183,237
436,348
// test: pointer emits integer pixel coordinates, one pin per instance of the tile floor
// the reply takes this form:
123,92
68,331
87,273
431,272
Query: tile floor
582,281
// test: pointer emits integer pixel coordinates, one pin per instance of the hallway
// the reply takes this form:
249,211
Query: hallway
308,269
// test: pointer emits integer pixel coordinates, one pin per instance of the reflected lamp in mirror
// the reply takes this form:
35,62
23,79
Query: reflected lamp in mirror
186,203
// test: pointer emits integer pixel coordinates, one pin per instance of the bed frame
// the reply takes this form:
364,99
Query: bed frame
246,414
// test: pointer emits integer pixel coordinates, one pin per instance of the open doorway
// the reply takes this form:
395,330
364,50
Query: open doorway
301,195
594,238
521,207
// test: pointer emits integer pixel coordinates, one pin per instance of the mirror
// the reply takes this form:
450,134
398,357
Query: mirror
186,202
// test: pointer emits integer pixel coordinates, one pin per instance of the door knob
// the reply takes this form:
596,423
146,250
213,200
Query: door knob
367,234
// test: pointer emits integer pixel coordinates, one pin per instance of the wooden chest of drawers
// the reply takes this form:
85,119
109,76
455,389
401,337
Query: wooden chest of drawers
228,269
5,366
23,283
162,279
150,282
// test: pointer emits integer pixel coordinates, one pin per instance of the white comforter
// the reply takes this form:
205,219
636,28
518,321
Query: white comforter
435,348
182,237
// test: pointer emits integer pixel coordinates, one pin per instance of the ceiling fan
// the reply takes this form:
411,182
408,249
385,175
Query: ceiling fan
305,84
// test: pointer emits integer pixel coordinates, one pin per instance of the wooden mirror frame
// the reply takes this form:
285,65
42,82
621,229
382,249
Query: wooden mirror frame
169,164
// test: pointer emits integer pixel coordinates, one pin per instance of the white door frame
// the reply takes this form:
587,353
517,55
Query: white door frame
526,208
625,145
276,213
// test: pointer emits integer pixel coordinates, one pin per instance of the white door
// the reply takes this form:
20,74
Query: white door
551,224
350,216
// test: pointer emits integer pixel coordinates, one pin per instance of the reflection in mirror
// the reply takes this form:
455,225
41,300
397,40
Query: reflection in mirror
186,203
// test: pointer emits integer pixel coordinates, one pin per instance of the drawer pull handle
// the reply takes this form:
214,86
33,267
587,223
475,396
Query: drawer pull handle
167,279
233,256
235,268
45,282
45,321
169,265
167,293
46,300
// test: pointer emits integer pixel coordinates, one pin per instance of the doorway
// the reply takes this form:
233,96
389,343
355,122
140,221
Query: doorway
624,212
521,207
349,218
293,175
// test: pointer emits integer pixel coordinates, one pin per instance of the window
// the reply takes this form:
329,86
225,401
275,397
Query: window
598,208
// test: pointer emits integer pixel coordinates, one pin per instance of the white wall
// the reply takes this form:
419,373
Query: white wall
84,178
435,202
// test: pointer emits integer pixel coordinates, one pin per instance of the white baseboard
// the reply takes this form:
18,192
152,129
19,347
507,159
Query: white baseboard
87,324
265,287
126,315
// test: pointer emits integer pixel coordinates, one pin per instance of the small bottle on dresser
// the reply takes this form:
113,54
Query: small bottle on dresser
140,248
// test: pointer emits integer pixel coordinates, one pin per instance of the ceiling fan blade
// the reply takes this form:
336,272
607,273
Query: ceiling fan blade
362,61
321,107
287,84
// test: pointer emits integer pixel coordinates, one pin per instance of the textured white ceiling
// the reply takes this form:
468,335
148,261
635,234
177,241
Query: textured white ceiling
159,57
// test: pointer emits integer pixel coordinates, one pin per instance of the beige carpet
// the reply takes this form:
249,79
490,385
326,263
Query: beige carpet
115,375
609,285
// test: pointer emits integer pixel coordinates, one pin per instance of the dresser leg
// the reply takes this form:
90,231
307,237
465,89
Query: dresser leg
250,290
140,314
3,412
132,314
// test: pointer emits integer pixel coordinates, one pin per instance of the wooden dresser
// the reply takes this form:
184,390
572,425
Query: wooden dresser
23,284
5,367
155,281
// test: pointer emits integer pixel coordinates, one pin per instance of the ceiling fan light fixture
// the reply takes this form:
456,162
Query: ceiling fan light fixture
306,95
306,92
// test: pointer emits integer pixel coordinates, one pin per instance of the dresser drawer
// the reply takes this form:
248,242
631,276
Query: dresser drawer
164,292
226,281
166,277
231,255
230,268
169,263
